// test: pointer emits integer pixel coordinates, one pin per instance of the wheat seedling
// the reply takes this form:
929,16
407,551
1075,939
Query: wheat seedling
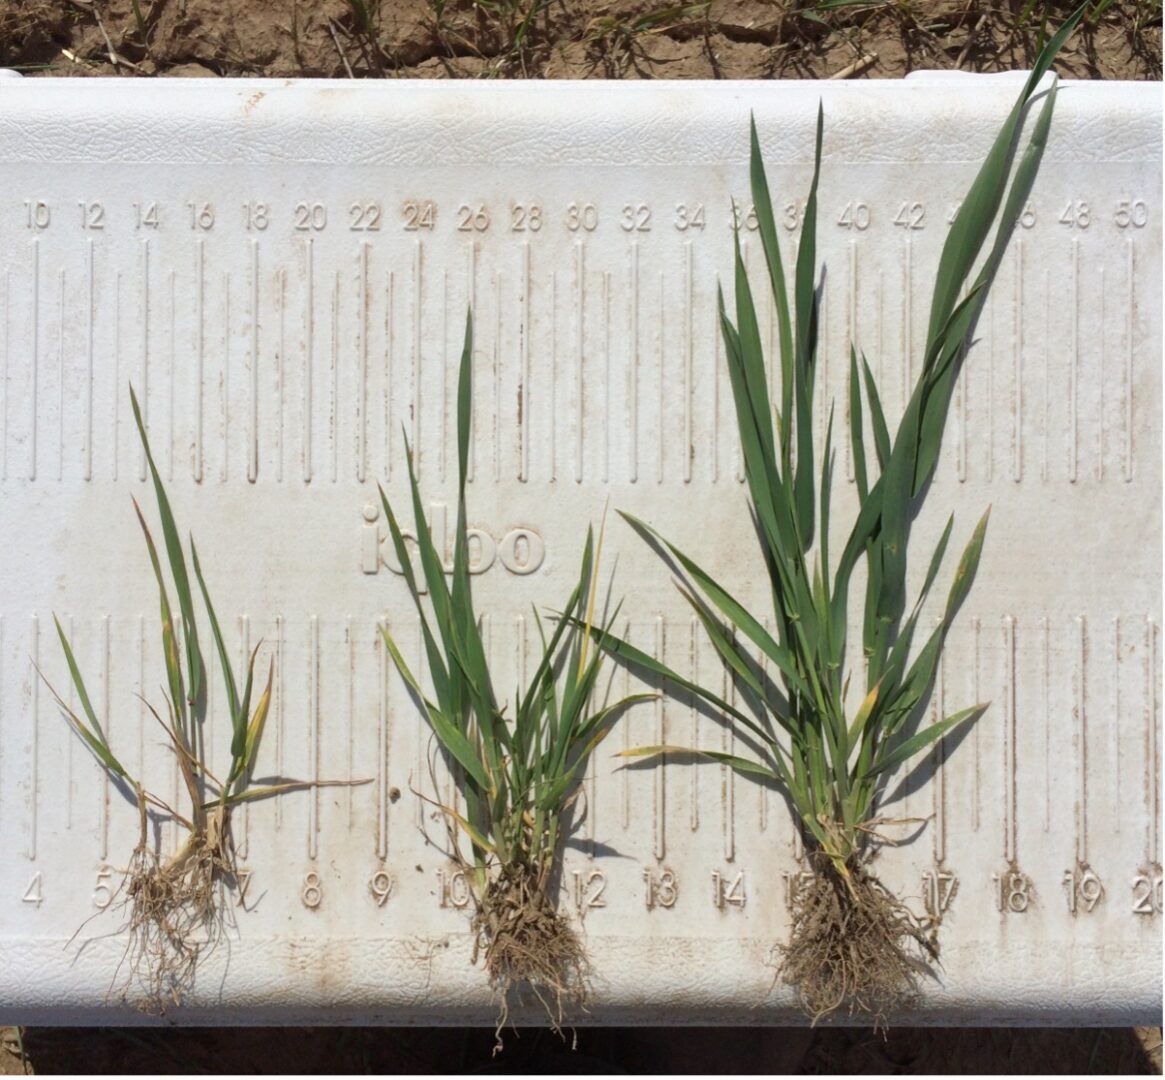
518,777
852,942
176,908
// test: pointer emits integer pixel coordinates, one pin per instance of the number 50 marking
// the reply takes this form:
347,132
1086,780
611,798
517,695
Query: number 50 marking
1132,212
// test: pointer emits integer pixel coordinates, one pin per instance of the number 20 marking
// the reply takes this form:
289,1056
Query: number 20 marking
310,217
1147,895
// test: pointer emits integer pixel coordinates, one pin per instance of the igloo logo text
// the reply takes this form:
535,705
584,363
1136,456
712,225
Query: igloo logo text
519,550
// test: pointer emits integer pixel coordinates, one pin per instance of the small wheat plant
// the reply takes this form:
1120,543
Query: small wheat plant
176,908
520,774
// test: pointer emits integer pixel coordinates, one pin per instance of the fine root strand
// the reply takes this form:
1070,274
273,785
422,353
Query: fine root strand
529,946
854,946
175,914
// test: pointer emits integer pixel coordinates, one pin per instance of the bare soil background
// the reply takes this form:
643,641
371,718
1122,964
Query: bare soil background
712,39
729,39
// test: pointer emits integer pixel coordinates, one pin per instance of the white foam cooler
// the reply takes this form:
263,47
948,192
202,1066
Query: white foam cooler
282,269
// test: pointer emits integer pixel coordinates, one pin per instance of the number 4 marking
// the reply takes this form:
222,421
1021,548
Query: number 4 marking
33,894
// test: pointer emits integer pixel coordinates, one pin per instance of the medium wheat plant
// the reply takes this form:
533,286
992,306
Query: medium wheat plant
176,905
518,775
852,942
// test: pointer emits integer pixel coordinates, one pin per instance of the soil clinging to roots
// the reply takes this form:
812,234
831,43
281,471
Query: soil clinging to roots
174,914
528,944
855,945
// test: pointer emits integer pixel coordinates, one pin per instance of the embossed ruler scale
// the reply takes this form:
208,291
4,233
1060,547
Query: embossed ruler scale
282,271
